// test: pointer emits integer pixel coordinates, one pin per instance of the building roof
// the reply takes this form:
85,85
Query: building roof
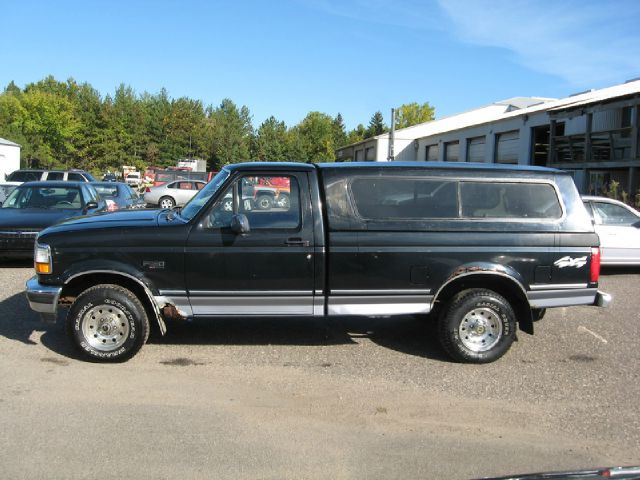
7,142
509,108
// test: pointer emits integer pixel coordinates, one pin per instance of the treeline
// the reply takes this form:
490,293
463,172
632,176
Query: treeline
70,125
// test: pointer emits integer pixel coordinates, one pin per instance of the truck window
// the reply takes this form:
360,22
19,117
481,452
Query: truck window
266,206
509,200
378,198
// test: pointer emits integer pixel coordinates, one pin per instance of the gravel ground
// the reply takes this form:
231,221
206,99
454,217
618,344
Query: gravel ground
320,398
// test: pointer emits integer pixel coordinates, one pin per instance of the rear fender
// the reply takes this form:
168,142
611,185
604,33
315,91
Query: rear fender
501,278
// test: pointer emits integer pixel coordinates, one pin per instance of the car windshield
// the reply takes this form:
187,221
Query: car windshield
58,197
202,197
107,190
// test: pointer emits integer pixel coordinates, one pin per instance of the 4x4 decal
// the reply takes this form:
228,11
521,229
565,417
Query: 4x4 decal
567,261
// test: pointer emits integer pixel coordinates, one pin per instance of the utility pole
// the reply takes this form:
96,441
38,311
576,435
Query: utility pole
392,134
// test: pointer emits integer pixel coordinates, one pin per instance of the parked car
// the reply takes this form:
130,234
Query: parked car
172,194
35,175
5,189
109,177
485,249
119,196
33,206
618,226
134,179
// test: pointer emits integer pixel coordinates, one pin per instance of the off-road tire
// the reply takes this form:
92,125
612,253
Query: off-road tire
477,326
108,323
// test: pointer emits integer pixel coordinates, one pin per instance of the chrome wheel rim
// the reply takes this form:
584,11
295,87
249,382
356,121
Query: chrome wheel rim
264,203
480,329
105,327
166,203
283,202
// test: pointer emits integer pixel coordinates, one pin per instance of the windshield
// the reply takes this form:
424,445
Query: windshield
44,197
202,197
107,191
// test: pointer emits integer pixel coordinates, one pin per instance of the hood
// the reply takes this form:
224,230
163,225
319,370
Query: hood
34,217
118,219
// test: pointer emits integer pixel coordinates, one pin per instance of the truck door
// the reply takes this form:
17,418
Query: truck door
266,271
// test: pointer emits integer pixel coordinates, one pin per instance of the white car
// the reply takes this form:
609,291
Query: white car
172,194
618,226
134,179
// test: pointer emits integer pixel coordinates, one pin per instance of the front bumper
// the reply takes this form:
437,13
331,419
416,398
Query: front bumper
43,298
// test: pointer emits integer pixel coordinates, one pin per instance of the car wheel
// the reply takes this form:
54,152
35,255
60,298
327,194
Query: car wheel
167,203
264,202
283,201
477,326
108,323
227,205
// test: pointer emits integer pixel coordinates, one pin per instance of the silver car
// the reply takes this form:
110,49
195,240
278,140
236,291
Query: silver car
172,194
618,226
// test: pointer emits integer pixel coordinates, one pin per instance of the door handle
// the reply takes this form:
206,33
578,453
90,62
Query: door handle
296,242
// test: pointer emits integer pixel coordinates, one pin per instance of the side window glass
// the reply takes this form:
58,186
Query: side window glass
392,198
268,202
55,176
611,214
75,177
509,200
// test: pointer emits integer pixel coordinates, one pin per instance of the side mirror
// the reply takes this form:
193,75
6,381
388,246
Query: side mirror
90,206
240,224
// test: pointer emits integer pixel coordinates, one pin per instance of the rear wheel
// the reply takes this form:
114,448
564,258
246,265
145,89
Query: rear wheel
167,203
264,202
108,323
477,326
283,201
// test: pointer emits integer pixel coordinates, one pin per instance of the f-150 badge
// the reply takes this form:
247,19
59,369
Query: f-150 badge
571,262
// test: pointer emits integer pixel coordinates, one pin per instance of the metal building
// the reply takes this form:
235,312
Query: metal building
592,134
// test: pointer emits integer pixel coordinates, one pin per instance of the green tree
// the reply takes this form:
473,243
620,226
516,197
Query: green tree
228,134
357,134
339,132
316,133
48,126
376,125
412,114
271,141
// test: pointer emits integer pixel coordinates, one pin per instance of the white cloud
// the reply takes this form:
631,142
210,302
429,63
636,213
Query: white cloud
586,44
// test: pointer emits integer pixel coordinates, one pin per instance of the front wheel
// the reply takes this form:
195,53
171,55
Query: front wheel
264,202
108,323
477,326
167,203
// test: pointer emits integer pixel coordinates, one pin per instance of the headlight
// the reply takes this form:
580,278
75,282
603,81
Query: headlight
42,259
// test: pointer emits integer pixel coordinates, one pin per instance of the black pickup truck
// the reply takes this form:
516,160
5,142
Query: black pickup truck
485,249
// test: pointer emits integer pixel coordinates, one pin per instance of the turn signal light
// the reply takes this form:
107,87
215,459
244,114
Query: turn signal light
595,264
43,268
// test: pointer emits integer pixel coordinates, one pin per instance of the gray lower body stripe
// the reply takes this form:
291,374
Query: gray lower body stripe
249,293
417,291
379,305
562,298
559,286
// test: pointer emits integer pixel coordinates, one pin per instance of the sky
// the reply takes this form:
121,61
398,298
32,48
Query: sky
288,57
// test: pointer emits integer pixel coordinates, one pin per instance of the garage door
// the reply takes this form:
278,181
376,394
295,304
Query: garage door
475,149
507,147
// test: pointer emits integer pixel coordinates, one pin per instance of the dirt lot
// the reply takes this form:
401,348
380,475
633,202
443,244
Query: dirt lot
336,398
